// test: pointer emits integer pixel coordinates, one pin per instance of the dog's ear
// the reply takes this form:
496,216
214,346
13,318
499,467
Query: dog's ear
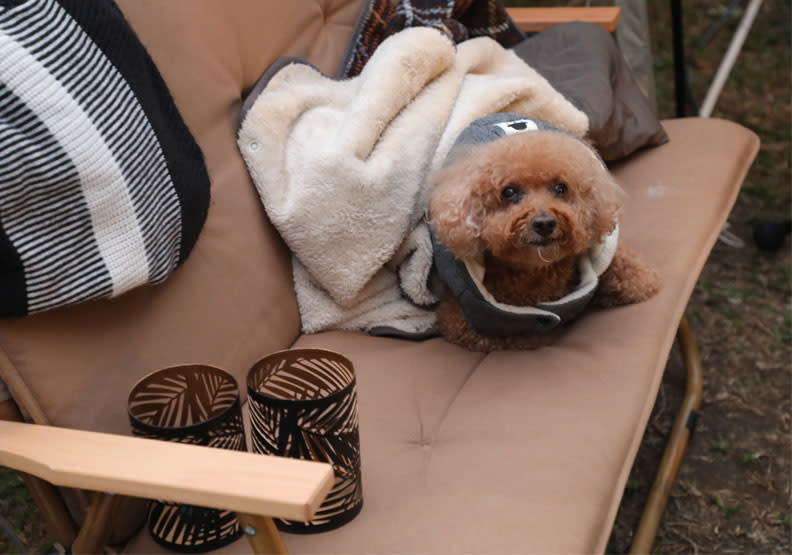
456,211
608,199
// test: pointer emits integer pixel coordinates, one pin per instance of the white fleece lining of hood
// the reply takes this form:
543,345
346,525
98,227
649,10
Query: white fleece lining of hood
591,266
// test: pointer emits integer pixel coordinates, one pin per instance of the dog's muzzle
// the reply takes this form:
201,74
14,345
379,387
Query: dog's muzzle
538,230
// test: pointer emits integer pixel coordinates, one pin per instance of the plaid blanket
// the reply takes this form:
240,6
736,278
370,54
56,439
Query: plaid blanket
458,19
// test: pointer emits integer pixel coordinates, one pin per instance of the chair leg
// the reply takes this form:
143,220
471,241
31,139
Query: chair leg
677,442
9,411
46,497
262,534
96,529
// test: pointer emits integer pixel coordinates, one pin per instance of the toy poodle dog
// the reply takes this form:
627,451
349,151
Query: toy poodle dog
525,223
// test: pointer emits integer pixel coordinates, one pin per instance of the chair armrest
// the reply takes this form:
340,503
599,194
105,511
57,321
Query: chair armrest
537,19
233,480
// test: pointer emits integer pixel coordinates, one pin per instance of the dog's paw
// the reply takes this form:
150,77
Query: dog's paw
629,279
454,327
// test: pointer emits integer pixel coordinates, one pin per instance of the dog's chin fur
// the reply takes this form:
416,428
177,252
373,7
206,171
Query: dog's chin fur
551,175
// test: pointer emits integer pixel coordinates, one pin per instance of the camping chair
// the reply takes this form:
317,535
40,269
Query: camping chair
516,452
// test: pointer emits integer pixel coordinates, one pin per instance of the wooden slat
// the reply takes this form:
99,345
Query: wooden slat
677,443
9,411
233,480
266,539
538,19
97,528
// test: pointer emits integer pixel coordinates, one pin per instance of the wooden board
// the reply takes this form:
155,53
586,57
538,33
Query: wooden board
536,19
219,478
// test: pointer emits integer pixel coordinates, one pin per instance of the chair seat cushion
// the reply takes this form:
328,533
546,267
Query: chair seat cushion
530,451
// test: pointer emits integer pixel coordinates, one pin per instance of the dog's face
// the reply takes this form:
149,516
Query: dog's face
529,199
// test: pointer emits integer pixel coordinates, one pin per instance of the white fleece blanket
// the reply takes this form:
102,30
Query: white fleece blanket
342,167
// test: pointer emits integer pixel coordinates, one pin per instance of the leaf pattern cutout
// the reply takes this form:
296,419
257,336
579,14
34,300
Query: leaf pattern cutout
189,528
322,425
198,405
182,396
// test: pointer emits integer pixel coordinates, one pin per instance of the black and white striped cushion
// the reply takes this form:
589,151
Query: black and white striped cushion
102,187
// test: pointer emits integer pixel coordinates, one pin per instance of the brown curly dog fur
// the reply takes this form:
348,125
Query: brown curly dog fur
529,205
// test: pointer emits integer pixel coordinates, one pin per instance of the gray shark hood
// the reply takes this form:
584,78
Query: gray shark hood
491,128
465,277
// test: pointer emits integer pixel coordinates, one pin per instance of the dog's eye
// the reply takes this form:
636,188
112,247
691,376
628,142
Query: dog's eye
559,189
511,194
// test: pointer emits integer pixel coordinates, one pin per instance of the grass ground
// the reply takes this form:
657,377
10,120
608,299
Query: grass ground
733,492
18,509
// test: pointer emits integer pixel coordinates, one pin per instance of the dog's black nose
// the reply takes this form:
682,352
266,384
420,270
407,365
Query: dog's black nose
543,224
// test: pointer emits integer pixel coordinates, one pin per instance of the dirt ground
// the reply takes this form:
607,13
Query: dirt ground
733,493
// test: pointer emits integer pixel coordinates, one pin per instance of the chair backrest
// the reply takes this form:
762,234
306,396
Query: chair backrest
232,301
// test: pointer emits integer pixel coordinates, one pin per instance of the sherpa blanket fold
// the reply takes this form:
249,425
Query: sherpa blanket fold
342,167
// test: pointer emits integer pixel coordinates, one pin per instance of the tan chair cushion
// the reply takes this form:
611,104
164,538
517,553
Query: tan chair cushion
530,451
